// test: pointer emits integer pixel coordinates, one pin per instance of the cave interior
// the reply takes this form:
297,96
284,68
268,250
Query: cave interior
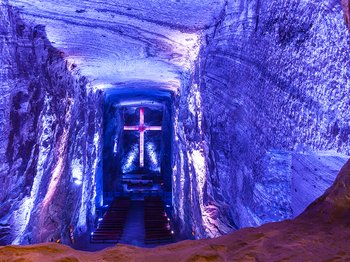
152,122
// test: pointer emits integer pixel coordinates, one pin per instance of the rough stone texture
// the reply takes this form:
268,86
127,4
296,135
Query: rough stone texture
198,205
270,88
114,42
321,233
305,188
50,136
112,131
262,92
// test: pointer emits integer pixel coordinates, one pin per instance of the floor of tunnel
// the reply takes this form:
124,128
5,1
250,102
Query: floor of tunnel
133,232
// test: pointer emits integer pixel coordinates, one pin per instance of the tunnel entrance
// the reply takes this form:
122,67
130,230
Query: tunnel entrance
135,203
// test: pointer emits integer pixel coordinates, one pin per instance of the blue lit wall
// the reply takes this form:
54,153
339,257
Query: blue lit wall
50,133
262,126
257,127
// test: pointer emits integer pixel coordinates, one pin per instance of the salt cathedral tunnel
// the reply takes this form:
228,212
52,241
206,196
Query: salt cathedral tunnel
174,130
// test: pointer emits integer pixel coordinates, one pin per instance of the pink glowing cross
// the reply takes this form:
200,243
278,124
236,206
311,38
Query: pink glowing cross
142,128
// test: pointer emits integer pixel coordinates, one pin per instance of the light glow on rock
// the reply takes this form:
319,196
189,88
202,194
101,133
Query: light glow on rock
195,105
61,158
97,143
83,206
77,172
182,184
101,86
188,45
198,161
58,170
152,153
78,182
115,147
23,214
130,159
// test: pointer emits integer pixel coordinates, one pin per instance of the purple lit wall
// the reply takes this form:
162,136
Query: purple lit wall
50,138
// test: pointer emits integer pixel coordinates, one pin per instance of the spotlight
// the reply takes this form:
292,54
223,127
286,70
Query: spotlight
168,219
172,232
167,205
92,233
100,219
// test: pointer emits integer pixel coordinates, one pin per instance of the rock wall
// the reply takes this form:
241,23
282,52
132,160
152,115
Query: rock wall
267,99
49,138
113,127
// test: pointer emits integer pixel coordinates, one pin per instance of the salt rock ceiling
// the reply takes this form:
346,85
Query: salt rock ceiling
114,42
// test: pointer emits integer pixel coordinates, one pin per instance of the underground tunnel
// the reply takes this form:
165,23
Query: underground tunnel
213,130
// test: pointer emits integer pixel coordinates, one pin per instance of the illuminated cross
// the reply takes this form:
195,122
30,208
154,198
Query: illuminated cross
142,128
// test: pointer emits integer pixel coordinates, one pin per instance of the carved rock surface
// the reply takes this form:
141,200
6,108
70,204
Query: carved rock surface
262,124
50,135
260,109
119,42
